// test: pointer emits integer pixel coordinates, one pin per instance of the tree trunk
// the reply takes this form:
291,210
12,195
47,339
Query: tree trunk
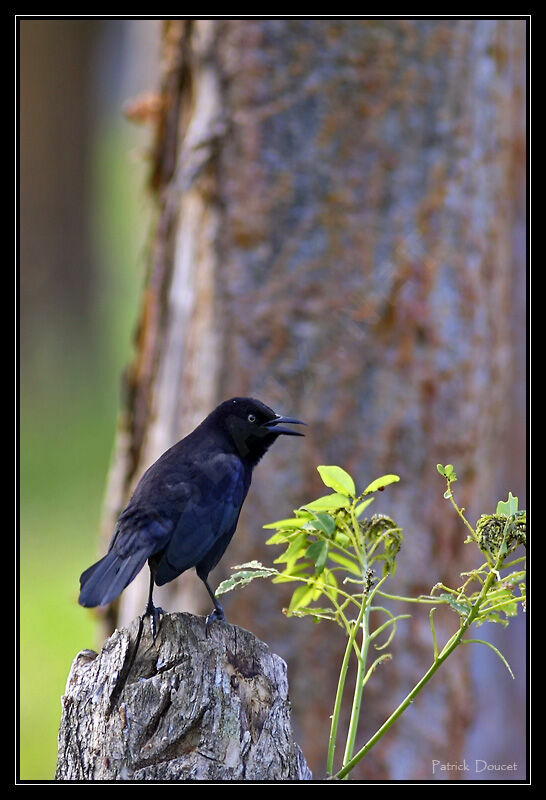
195,706
336,202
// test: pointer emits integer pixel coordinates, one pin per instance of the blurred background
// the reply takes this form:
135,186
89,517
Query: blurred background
362,231
84,217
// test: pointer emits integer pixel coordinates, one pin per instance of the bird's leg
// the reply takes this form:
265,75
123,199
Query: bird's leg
154,612
218,613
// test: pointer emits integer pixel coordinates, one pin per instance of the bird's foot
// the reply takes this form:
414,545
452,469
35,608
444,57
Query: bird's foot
155,613
215,616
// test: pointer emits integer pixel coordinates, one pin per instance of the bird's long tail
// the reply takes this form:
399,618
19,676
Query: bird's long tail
105,580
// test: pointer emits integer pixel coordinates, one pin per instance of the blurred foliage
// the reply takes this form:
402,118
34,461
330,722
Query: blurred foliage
68,406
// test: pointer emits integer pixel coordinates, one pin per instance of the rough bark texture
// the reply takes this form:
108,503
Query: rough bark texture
337,206
193,707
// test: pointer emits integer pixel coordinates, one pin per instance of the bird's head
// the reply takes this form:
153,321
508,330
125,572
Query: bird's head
253,426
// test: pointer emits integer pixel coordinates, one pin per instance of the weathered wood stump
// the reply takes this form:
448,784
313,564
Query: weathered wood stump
193,707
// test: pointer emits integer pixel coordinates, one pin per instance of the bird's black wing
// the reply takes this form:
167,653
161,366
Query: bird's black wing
217,488
180,508
139,533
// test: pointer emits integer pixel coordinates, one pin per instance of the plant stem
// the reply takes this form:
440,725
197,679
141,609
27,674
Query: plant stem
337,706
340,688
460,513
359,685
393,717
447,650
403,599
364,623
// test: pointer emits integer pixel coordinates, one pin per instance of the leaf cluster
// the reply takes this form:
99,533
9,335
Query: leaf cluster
330,549
497,535
339,560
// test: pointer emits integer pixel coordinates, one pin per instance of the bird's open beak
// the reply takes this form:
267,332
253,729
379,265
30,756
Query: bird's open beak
276,422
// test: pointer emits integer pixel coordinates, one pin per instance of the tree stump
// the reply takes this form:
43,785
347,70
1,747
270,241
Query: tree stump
195,706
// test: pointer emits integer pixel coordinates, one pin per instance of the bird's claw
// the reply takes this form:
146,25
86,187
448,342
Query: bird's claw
215,616
155,613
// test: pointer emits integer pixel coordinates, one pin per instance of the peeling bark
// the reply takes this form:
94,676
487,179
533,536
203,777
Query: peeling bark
192,708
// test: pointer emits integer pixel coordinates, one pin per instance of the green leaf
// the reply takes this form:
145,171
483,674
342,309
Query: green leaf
302,596
252,565
447,471
350,566
461,608
282,524
337,479
342,539
295,550
329,502
316,613
509,507
501,600
277,538
381,482
318,552
361,506
514,578
323,522
331,587
246,573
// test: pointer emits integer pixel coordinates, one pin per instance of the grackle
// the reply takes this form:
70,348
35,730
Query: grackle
184,511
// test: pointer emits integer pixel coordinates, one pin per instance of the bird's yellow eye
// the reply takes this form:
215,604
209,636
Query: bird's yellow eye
251,418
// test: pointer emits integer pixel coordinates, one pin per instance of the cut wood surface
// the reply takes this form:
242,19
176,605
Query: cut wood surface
194,706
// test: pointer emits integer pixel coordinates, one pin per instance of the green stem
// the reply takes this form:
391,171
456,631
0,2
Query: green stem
353,536
337,707
359,685
460,513
391,621
393,717
423,599
364,623
339,693
447,650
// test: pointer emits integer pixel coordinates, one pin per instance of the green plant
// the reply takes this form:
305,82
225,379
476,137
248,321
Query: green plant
341,561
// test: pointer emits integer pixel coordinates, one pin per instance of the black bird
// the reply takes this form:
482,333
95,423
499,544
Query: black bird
185,507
